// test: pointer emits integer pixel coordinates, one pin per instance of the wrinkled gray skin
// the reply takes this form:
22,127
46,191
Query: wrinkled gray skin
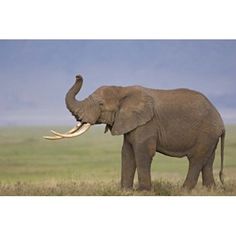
177,123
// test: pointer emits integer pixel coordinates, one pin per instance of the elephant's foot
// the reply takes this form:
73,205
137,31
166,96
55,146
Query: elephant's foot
140,188
191,180
209,183
144,187
208,178
188,186
127,186
127,182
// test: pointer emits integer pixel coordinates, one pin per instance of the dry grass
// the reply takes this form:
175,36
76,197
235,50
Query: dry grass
75,188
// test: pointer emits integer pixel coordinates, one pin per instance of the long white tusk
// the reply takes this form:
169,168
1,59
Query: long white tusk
82,130
77,127
52,137
74,129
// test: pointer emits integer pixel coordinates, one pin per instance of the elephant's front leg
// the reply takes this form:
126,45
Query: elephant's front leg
144,153
128,165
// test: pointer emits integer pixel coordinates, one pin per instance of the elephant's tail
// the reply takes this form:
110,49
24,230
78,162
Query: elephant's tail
222,157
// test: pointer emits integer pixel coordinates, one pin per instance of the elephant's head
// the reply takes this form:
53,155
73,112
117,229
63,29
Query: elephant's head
122,109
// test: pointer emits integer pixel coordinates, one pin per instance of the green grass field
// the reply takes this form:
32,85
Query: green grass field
90,165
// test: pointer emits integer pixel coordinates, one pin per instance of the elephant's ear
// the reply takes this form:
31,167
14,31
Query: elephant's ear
136,109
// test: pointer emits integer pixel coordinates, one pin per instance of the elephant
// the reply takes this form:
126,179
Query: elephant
178,123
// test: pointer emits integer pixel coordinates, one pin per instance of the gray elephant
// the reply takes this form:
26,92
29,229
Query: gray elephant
177,123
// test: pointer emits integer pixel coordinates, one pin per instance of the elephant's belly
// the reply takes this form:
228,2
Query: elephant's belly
175,147
171,153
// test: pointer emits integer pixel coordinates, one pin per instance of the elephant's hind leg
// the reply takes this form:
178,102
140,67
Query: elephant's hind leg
128,166
201,160
195,167
207,172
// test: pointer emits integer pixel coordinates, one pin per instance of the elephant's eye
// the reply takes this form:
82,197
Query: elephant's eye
101,104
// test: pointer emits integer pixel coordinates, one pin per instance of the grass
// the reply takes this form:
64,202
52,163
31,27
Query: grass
90,165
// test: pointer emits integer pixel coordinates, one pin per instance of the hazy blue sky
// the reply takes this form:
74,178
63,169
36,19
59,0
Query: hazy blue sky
35,75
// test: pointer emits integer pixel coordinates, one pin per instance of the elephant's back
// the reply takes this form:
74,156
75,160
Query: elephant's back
187,105
186,102
184,113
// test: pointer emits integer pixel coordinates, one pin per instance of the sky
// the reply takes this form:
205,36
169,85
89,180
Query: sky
36,74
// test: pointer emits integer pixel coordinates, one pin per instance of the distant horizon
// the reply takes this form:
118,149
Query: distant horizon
36,74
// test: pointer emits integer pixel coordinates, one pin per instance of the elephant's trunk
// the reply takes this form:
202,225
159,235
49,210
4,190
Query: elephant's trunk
71,102
74,106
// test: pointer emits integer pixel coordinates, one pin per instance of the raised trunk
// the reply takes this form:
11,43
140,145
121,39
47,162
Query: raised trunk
71,102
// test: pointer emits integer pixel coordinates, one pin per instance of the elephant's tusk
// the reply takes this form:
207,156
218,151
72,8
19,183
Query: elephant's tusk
52,137
82,130
74,129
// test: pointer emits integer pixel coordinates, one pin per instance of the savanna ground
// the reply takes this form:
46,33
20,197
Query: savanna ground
90,165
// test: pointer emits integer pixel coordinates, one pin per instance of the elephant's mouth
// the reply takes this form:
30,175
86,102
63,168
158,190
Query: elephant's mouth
79,129
107,117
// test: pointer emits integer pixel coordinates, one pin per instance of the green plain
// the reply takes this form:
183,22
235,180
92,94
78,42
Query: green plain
30,165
